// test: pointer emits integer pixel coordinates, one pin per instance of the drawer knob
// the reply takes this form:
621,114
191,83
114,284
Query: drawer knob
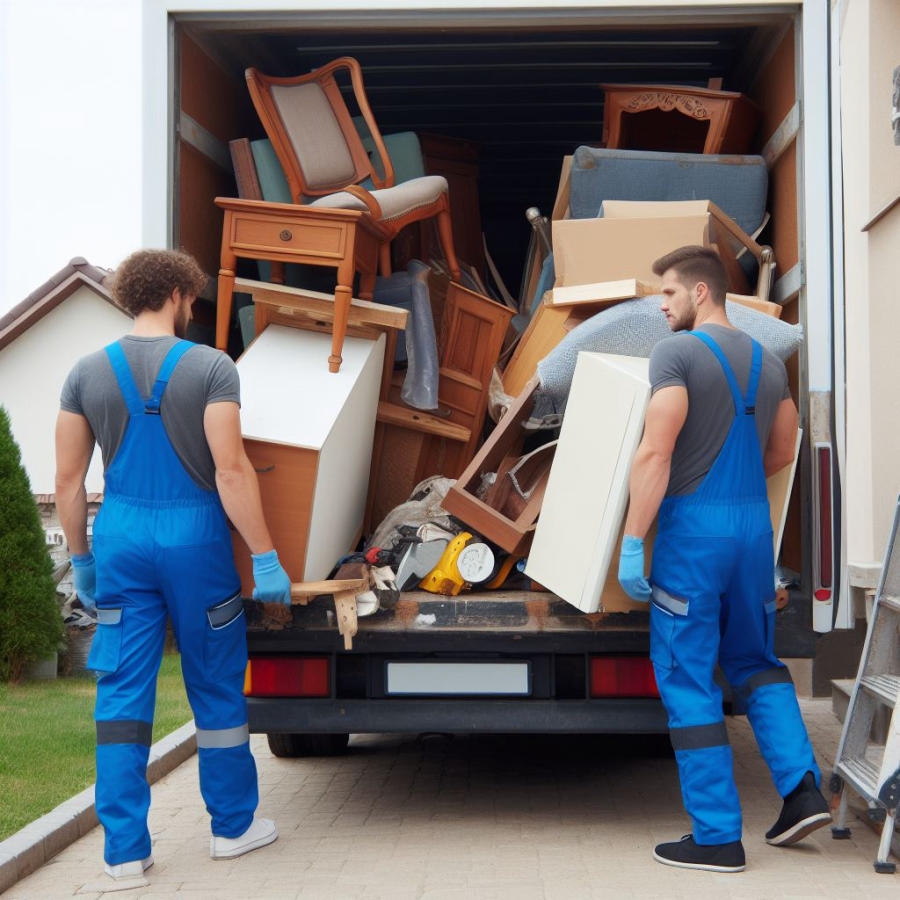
285,235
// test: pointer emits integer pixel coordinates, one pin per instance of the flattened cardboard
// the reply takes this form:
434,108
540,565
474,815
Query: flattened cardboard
586,251
601,293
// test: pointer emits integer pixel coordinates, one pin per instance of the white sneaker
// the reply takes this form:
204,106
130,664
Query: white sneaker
127,875
260,833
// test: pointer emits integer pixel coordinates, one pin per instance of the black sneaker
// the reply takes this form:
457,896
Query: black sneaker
804,810
712,857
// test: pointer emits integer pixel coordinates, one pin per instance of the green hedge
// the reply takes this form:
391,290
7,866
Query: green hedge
31,626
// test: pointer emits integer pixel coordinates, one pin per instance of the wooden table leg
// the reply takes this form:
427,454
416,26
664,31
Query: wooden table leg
342,293
227,263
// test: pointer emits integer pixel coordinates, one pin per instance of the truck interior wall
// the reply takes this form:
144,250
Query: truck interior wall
774,89
216,102
212,93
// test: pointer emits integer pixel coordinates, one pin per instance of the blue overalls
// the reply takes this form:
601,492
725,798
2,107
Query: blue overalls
714,600
162,547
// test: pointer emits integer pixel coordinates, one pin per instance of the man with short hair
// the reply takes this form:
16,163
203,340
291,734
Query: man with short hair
165,413
720,419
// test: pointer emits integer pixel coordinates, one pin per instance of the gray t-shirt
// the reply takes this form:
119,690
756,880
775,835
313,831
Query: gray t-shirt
202,376
687,361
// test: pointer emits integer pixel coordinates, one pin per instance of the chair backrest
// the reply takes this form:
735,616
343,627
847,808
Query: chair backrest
312,132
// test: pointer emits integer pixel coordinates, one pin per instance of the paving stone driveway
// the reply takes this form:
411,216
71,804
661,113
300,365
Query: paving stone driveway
478,818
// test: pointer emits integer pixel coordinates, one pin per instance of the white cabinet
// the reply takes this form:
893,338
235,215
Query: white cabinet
309,434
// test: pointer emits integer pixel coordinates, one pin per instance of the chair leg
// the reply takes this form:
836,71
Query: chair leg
384,259
445,230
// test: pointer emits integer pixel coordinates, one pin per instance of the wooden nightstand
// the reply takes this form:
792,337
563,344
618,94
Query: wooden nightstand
677,119
345,239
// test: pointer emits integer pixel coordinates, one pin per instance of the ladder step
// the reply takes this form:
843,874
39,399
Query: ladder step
888,601
884,687
862,775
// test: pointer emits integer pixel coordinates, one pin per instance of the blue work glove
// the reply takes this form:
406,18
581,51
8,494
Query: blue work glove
84,576
272,582
631,569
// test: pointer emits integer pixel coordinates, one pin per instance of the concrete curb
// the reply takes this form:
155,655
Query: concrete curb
35,844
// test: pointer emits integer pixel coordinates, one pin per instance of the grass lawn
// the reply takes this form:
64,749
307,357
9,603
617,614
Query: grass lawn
47,739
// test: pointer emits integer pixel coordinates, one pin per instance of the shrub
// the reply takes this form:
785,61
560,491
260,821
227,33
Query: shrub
30,622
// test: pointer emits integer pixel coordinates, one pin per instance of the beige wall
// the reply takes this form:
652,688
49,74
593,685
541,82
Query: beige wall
870,49
33,368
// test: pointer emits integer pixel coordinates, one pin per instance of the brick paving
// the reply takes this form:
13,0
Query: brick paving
478,818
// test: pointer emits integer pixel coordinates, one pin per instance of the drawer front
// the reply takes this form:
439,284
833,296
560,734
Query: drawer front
261,236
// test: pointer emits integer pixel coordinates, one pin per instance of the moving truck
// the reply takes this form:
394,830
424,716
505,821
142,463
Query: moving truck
514,88
517,87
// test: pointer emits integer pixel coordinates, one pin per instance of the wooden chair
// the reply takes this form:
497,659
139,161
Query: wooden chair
324,159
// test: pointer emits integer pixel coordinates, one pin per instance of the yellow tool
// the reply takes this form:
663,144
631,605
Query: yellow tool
445,578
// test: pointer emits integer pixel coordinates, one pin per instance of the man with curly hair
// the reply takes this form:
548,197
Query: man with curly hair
165,413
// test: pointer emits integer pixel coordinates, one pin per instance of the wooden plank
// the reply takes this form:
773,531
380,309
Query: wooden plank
606,292
406,417
244,169
362,312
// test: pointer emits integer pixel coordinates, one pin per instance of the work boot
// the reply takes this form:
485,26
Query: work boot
804,810
126,875
260,833
686,854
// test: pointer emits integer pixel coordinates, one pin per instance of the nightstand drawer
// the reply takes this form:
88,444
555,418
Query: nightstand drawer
261,236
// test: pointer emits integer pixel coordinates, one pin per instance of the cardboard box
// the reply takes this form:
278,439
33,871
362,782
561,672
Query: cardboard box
591,250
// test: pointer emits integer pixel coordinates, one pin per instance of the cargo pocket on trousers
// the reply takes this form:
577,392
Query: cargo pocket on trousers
106,647
225,652
666,614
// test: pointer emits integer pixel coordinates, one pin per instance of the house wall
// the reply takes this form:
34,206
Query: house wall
33,368
869,38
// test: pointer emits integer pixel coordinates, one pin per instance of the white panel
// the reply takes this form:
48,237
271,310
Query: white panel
289,397
458,678
587,492
342,478
287,393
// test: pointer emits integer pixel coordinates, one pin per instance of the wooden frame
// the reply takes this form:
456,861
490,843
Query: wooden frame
732,117
505,441
347,240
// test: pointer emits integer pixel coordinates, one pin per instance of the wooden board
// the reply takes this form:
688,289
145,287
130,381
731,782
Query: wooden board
603,293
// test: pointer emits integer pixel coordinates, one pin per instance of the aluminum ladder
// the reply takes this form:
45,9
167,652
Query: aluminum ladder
868,760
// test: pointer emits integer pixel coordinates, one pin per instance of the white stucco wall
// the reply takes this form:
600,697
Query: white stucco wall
870,38
33,368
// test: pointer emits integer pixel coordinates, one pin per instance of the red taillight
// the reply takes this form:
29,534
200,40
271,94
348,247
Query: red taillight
825,573
622,676
288,676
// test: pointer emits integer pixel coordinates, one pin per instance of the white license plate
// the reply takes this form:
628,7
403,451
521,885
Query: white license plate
458,678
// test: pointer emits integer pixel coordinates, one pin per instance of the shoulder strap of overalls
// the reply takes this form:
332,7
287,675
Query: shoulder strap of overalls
133,400
748,403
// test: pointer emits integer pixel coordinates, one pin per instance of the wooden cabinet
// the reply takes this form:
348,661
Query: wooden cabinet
678,119
308,433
